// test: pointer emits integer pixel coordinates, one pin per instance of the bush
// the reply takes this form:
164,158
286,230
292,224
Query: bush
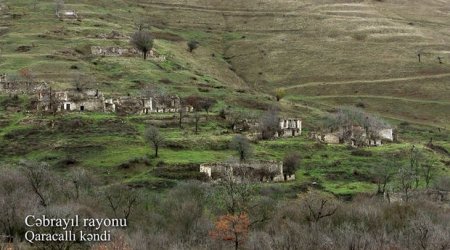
362,153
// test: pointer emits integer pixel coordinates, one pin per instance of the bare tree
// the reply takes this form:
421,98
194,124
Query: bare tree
383,174
415,162
59,5
235,117
197,117
207,103
155,138
81,182
269,124
318,205
428,171
406,178
242,145
122,200
291,163
234,196
81,81
142,41
181,115
16,201
37,175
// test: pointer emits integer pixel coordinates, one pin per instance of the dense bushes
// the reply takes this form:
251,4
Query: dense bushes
193,215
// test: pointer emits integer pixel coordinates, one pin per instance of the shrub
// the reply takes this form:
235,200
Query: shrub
360,152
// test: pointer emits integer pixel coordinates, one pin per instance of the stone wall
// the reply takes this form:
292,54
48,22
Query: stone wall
258,171
21,87
113,51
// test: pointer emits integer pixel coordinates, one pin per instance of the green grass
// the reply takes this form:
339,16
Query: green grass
246,50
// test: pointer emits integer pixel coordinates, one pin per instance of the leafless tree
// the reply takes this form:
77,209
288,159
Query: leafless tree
59,5
81,181
82,81
234,117
155,138
428,171
242,145
197,118
233,195
269,124
207,103
406,178
415,161
383,174
181,115
16,200
142,41
291,163
37,175
122,200
318,205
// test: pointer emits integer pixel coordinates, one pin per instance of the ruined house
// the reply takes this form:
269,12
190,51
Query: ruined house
130,105
93,100
356,136
169,104
71,100
257,171
290,127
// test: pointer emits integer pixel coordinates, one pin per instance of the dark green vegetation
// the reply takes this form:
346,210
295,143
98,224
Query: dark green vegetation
312,56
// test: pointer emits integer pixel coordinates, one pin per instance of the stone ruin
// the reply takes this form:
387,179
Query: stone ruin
256,171
67,14
289,127
95,101
355,136
115,51
90,99
20,86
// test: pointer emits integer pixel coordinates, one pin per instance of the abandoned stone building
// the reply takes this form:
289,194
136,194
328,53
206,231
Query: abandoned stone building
74,100
95,101
290,127
257,171
356,136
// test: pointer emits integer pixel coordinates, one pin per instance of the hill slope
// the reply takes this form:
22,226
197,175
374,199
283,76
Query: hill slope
371,46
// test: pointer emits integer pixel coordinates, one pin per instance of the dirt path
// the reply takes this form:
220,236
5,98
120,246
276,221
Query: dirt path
401,79
226,10
380,97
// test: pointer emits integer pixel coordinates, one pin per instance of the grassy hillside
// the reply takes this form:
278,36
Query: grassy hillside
325,53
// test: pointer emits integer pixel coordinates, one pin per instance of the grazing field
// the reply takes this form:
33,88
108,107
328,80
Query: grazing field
324,53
